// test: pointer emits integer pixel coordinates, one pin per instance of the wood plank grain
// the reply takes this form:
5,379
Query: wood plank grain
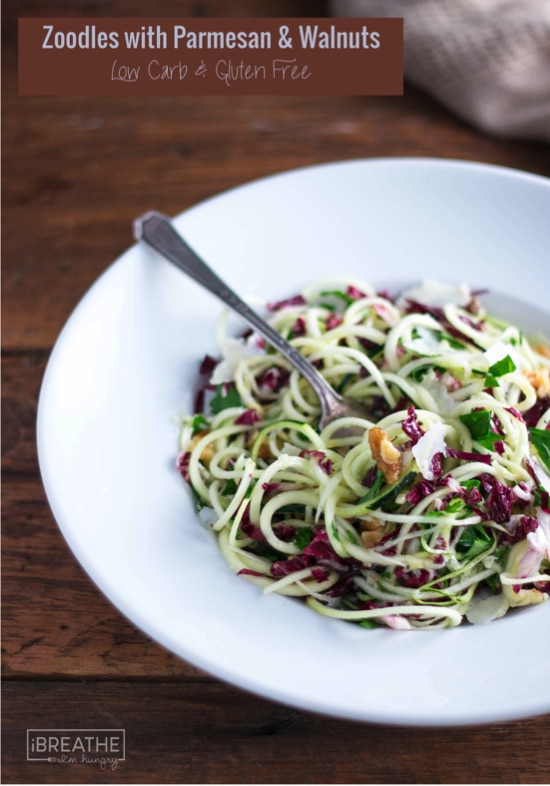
90,168
21,379
55,620
91,165
209,733
76,172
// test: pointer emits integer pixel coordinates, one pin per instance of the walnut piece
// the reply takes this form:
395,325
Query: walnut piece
372,533
386,455
540,380
264,451
208,451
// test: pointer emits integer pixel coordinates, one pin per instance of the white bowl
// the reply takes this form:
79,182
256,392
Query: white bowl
123,370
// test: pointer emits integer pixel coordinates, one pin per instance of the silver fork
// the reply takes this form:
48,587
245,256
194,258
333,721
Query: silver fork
157,231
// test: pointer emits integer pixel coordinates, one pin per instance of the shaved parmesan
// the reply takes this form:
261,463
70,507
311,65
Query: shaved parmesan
234,351
433,293
427,447
486,607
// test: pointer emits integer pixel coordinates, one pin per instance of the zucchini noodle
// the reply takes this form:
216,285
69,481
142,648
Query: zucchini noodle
431,512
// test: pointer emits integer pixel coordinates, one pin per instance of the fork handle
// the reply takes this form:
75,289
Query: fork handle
157,231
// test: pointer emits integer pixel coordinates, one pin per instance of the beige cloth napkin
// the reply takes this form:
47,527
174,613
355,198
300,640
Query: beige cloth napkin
488,60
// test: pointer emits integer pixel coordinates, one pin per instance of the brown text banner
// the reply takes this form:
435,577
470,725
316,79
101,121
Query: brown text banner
223,56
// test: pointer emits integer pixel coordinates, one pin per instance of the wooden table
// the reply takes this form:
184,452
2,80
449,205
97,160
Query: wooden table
76,172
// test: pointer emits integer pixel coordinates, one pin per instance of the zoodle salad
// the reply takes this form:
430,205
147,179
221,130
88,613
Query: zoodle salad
432,511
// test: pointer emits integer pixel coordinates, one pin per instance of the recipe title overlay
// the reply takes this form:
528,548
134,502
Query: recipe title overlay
148,57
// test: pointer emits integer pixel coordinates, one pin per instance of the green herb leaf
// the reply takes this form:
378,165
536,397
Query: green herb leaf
419,373
501,367
455,505
198,500
489,441
198,422
292,507
224,399
493,582
230,488
451,340
370,624
474,540
372,353
303,537
501,555
337,293
540,439
479,426
473,483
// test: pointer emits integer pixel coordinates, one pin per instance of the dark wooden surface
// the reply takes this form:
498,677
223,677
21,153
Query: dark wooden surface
76,172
